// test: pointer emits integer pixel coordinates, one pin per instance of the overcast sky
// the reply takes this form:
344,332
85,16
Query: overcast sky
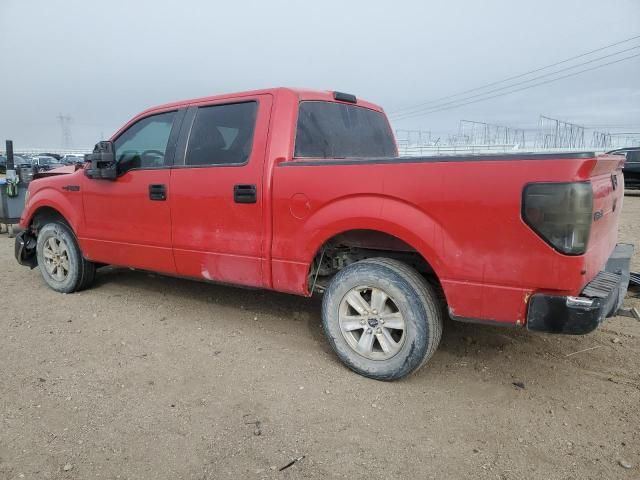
101,62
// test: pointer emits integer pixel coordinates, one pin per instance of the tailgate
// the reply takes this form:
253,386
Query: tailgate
608,192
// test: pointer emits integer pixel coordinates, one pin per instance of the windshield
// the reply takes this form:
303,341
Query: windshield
337,130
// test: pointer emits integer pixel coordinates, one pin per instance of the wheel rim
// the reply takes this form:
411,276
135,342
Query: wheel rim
56,258
371,323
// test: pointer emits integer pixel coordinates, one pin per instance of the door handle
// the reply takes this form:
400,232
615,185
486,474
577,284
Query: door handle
157,192
245,194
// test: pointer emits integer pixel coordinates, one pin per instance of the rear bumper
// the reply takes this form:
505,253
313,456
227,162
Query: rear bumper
600,298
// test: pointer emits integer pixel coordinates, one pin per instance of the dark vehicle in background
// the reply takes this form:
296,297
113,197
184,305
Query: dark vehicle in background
57,156
18,161
21,161
631,169
72,159
44,163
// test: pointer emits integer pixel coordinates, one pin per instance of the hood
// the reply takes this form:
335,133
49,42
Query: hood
67,169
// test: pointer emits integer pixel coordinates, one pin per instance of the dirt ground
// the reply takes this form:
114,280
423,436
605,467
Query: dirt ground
145,377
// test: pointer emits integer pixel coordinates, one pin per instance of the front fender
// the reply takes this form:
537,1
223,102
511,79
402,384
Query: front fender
51,197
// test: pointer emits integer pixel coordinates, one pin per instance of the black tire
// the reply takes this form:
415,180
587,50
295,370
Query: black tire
80,273
416,302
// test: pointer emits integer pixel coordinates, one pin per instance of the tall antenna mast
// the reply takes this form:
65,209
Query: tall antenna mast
65,129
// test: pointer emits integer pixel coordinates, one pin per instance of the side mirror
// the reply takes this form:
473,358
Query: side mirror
102,162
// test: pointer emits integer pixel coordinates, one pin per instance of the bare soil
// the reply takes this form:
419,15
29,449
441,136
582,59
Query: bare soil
145,377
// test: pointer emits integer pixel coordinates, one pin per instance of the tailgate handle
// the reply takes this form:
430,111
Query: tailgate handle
157,192
244,194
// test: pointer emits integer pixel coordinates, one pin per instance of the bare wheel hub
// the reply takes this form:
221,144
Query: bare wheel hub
371,323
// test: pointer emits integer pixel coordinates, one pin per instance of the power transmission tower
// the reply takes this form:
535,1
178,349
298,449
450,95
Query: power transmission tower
414,137
554,133
601,140
65,128
625,139
481,133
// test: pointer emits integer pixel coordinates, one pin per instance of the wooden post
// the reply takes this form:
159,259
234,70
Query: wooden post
10,163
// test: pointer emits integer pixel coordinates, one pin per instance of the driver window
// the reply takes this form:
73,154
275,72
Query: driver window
144,143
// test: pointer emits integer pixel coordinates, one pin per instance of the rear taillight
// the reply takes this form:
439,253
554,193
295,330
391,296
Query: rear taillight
560,213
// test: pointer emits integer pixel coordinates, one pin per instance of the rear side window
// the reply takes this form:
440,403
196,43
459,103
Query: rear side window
337,130
222,134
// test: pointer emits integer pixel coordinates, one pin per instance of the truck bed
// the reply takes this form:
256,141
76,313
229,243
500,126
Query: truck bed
461,213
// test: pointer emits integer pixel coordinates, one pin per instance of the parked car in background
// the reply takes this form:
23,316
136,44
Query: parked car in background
72,159
44,163
18,161
631,168
54,155
21,161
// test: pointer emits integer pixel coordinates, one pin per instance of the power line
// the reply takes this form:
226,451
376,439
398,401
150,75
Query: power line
439,108
518,83
515,76
612,125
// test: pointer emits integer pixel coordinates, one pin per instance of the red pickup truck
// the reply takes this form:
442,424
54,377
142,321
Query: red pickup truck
303,191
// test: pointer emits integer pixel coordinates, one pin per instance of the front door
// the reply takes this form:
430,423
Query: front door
216,194
128,221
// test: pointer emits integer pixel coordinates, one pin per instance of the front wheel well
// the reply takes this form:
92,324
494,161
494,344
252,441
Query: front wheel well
355,245
44,215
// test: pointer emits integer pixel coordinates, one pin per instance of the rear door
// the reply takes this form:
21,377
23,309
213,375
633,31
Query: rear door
217,199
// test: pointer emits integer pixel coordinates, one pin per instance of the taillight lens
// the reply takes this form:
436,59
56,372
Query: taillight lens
560,213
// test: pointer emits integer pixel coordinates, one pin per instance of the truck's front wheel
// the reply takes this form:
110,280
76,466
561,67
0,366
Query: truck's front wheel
60,259
382,318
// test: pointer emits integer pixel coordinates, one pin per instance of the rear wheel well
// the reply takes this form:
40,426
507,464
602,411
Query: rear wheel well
355,245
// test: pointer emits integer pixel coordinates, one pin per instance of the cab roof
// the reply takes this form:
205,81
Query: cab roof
301,94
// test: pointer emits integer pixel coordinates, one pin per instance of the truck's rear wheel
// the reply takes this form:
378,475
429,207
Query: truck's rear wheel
60,259
382,318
